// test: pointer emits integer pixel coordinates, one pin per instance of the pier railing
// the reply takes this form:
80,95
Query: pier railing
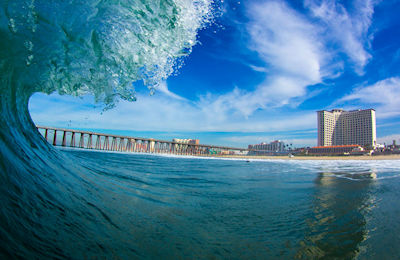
108,142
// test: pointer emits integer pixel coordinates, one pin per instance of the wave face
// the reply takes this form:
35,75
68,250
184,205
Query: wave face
75,48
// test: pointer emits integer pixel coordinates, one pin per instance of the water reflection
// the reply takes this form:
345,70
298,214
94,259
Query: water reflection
337,224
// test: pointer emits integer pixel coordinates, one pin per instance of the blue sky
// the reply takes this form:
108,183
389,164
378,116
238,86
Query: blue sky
258,74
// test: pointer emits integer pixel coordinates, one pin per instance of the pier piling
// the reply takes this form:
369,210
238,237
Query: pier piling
129,144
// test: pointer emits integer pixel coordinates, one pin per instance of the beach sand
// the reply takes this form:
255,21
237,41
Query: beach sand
306,157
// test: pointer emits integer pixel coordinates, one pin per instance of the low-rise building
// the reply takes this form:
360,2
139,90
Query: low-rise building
336,150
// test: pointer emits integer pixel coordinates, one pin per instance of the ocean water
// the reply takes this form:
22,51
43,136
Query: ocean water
125,206
73,204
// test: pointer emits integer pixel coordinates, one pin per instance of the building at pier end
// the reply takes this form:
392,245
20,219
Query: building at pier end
339,127
186,141
274,147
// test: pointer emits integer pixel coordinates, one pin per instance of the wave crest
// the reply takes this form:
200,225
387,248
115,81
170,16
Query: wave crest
98,47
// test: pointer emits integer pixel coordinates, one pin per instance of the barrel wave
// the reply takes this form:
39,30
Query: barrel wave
74,48
57,203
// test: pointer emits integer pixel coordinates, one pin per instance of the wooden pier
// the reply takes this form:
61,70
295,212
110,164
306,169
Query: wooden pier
107,142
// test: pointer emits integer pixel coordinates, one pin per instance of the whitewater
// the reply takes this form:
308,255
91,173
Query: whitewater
74,204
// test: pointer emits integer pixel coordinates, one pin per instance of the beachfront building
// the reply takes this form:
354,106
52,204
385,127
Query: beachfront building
186,141
339,127
276,146
337,150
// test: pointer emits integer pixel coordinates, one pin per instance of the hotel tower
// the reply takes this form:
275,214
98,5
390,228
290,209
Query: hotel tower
339,127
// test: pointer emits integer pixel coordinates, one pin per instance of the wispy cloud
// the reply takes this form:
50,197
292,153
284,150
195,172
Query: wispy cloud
348,27
163,88
383,95
285,40
294,58
298,51
155,113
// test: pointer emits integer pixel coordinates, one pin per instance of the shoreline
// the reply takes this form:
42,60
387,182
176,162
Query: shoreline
305,157
388,157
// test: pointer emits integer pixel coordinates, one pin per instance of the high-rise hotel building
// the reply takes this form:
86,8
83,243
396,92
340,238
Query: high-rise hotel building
339,127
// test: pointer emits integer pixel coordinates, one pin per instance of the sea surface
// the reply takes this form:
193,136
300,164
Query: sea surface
169,207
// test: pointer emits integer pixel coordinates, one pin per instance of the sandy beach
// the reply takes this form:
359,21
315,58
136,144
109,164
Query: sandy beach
361,157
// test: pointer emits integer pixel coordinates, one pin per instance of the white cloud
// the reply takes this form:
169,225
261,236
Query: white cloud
290,47
156,113
297,52
165,114
285,40
163,87
383,95
347,27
